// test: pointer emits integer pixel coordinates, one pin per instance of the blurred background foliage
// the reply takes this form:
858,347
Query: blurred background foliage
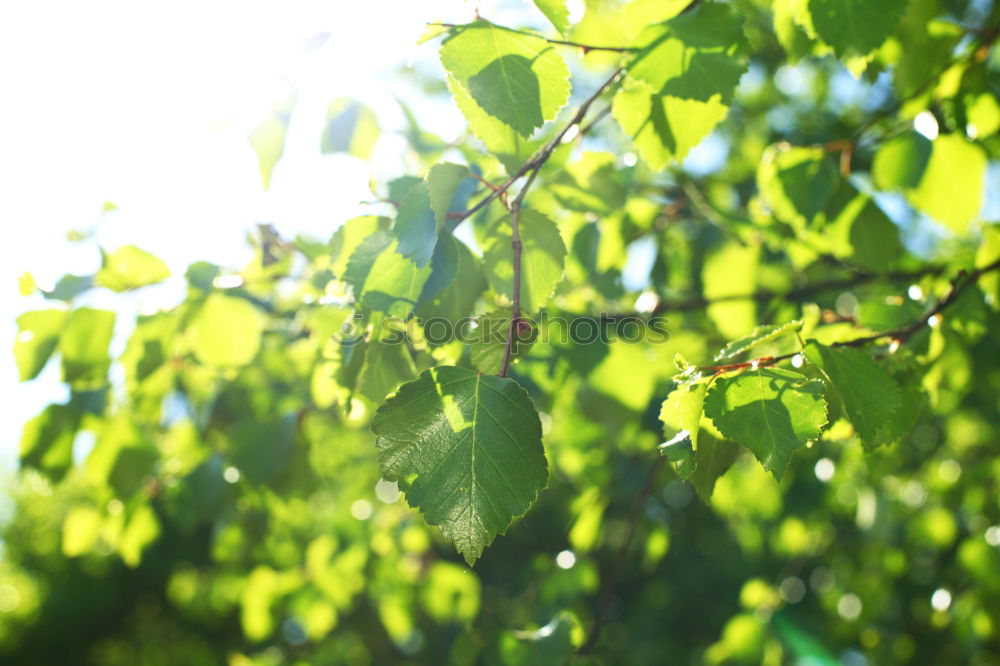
209,493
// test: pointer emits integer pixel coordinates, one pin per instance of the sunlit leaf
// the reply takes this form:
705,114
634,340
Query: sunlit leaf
518,79
84,346
771,411
869,394
128,267
226,331
542,256
351,127
855,26
37,336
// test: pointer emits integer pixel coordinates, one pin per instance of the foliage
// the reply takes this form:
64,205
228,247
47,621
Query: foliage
273,470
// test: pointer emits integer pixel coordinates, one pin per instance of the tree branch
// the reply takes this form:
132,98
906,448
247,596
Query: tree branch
960,283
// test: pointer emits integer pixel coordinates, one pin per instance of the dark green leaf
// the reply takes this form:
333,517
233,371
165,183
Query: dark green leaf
855,27
415,226
466,448
869,394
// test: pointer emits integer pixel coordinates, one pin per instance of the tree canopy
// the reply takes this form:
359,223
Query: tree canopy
684,352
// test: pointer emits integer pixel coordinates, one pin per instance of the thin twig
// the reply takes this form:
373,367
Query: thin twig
899,335
586,48
516,245
540,157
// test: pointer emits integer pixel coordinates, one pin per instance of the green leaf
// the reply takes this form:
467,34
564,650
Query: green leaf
486,351
711,461
500,140
47,440
556,12
797,183
416,228
679,86
758,336
456,300
444,266
141,530
80,530
771,411
347,239
443,181
268,140
351,127
861,233
681,416
122,456
732,271
466,449
37,336
26,285
542,256
951,189
695,56
869,394
900,161
226,331
387,365
518,79
662,128
69,287
362,258
128,267
855,27
84,347
790,19
392,284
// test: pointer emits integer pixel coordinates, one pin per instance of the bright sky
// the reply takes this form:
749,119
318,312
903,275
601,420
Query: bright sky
149,105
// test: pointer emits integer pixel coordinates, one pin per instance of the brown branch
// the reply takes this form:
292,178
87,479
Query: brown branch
586,48
513,330
540,157
960,283
797,294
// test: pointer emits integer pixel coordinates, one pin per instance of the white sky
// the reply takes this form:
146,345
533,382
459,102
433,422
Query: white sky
149,105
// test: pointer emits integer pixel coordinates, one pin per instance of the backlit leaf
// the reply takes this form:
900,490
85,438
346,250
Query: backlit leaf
351,127
869,394
128,267
226,331
771,411
855,26
542,256
37,336
518,79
